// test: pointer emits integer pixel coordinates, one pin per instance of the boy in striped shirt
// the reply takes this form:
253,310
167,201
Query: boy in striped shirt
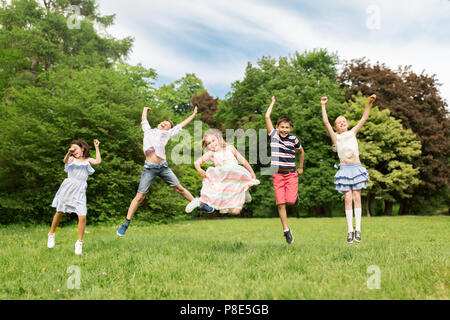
285,179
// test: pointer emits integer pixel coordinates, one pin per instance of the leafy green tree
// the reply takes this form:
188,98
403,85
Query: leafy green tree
414,99
35,38
178,95
298,83
37,124
387,150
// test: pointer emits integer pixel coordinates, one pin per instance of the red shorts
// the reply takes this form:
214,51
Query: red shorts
286,187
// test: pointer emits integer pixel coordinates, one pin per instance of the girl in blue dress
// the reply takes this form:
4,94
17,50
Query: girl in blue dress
71,196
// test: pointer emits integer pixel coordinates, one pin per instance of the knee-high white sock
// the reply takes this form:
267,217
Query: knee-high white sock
349,215
358,212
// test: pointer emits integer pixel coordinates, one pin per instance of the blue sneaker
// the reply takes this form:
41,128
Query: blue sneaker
121,232
206,208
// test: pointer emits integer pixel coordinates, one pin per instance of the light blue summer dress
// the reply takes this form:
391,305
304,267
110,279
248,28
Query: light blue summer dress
71,195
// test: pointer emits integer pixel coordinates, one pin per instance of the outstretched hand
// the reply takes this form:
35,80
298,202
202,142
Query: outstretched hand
195,110
96,143
324,100
273,100
372,98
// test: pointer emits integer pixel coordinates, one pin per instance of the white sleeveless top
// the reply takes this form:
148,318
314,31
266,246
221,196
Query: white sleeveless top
347,145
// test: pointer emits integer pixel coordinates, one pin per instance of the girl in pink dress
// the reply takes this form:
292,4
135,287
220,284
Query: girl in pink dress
225,186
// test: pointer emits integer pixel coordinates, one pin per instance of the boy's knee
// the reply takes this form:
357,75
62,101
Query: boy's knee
140,197
179,188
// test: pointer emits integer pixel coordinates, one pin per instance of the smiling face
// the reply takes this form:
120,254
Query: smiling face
212,143
77,151
341,124
165,125
284,128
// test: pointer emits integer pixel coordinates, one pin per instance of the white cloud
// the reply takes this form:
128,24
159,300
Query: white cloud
177,37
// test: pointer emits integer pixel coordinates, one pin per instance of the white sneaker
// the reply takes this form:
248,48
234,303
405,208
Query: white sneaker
78,247
248,197
51,240
192,205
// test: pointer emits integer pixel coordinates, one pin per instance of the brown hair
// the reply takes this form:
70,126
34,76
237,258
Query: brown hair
284,119
82,144
171,123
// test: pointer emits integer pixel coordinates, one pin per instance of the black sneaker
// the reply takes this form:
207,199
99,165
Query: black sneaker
350,237
358,236
288,236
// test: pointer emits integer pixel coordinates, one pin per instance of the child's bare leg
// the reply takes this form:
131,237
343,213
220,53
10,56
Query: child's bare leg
81,227
134,205
283,215
184,192
235,211
55,222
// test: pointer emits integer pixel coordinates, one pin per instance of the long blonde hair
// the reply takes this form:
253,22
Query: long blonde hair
218,134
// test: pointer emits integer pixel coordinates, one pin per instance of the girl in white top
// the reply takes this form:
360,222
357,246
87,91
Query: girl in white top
71,195
352,176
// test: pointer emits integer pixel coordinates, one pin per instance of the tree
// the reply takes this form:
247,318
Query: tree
387,150
178,95
298,82
415,100
35,38
207,107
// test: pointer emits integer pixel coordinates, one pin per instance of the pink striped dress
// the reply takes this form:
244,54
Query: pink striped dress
225,184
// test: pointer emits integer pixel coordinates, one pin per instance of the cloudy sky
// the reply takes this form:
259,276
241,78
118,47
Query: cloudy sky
215,39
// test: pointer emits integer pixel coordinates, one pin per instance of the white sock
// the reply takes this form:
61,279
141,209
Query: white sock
286,230
358,212
349,215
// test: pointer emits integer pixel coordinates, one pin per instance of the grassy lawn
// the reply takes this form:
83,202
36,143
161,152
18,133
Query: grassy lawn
231,259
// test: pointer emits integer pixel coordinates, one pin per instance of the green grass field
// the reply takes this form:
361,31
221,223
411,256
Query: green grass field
231,259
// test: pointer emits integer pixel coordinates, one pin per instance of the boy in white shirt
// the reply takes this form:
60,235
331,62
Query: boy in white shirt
155,141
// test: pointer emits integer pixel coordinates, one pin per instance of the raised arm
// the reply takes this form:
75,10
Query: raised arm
68,155
188,120
365,116
268,120
144,113
242,160
98,157
325,120
207,156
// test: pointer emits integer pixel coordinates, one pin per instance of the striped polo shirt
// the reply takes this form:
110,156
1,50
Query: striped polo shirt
283,150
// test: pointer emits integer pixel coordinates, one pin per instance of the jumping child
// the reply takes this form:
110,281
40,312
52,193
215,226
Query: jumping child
155,141
285,180
71,196
352,176
225,186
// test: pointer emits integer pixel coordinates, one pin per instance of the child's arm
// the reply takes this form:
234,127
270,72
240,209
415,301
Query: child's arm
268,113
98,157
242,160
302,157
68,156
145,125
144,113
207,156
188,120
365,116
325,120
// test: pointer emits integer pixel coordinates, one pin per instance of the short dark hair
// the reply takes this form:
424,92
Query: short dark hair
82,144
284,119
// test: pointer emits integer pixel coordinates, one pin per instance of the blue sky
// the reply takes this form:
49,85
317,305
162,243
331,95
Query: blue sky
215,39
